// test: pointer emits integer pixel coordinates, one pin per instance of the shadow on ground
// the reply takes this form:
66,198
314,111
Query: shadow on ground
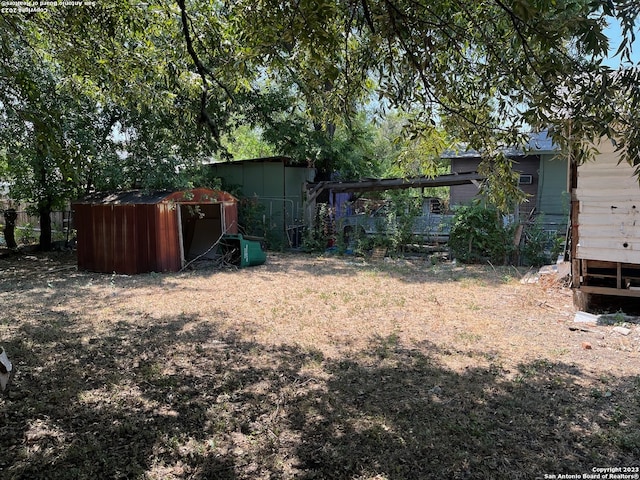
177,398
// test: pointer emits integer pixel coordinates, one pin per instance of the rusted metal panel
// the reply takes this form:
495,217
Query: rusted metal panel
137,232
145,225
84,237
123,237
102,243
230,216
168,256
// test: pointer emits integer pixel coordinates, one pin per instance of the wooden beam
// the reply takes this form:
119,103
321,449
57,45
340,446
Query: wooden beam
371,185
576,273
610,291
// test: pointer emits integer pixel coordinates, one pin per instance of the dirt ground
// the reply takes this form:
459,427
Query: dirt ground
310,367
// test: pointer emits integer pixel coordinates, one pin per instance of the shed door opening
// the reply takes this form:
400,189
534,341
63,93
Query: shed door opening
201,229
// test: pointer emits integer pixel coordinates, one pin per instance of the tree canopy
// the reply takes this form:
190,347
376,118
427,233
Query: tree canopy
122,93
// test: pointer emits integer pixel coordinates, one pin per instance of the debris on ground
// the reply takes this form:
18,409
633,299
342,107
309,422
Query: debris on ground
551,273
582,329
585,317
622,330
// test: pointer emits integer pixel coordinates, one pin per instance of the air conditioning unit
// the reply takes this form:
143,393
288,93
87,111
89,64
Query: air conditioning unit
525,179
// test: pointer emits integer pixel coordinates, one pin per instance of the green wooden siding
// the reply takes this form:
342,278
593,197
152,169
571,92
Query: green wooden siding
553,199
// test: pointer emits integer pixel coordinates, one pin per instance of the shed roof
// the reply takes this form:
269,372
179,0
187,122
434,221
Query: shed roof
286,161
144,197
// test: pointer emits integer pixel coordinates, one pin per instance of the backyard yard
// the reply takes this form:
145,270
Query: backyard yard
310,367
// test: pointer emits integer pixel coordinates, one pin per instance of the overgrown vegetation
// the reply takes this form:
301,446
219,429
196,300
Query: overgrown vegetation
252,217
322,235
479,235
537,247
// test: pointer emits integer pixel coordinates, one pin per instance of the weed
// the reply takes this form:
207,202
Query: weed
387,345
469,337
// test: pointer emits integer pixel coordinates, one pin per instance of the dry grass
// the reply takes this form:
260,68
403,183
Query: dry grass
308,367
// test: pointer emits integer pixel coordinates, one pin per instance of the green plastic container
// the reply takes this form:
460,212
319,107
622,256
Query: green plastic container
247,252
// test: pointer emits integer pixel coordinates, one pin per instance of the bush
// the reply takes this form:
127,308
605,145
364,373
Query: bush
321,235
535,245
251,215
478,235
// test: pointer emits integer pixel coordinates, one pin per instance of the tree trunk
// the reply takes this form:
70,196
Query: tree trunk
45,228
10,217
44,203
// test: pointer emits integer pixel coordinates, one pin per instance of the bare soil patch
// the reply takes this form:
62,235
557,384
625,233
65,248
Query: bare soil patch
309,367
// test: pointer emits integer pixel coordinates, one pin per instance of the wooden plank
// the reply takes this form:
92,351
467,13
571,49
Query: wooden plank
625,278
607,194
608,255
573,233
447,180
600,206
608,216
606,152
575,273
610,291
615,233
611,243
604,180
604,164
619,275
601,264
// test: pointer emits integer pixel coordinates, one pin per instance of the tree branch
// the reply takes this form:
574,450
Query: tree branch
204,73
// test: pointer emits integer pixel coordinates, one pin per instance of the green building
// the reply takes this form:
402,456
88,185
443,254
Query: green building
272,199
543,178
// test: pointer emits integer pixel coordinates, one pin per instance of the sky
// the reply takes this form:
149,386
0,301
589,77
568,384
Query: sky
614,34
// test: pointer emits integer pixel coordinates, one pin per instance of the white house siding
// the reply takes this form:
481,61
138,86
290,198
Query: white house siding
609,209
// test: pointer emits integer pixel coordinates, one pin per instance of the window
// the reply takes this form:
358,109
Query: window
525,179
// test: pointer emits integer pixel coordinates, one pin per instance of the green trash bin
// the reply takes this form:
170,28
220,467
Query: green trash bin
245,251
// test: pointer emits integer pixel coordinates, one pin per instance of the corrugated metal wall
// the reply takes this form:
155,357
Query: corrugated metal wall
127,238
553,196
276,185
609,209
133,233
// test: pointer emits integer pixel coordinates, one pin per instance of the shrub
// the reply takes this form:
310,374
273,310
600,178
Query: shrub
321,235
478,235
535,245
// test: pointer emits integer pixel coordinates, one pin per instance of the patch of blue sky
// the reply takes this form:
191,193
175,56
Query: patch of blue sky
614,32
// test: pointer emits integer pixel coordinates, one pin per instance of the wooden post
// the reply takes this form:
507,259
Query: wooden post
573,219
581,300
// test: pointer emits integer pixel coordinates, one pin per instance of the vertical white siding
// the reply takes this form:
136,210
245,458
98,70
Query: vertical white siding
609,216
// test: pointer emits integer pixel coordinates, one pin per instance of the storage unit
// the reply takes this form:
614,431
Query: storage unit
136,231
605,227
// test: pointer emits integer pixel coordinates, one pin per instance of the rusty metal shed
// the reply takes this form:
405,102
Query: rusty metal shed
137,232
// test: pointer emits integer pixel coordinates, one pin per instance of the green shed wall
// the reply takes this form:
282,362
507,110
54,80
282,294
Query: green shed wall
553,199
278,187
